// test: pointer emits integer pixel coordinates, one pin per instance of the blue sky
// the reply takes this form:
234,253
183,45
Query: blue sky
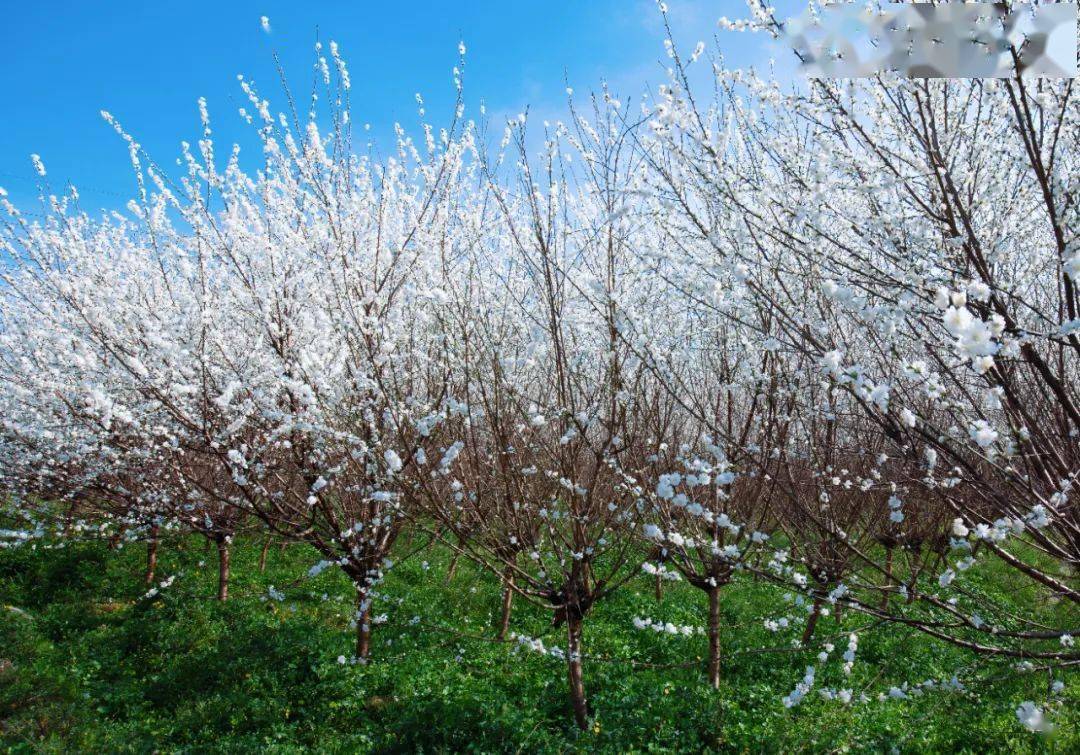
147,63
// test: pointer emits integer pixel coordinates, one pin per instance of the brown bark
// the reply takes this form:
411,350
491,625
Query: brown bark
151,555
507,604
888,578
363,623
714,637
453,567
812,621
659,588
223,569
262,554
574,677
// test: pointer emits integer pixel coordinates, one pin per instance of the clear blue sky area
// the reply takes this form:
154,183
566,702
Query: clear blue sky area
61,63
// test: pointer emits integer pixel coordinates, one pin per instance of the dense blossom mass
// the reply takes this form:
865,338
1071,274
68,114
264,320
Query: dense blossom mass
828,337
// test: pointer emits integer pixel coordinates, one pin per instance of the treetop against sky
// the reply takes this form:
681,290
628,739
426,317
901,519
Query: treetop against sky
148,64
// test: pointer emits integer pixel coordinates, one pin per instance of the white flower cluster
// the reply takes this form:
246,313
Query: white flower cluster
849,654
164,584
661,571
776,625
802,689
975,337
662,627
1032,717
536,645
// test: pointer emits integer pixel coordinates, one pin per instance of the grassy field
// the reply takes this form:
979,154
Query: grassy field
88,664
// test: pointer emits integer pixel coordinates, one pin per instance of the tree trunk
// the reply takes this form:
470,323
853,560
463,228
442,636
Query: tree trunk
573,660
363,623
453,567
888,578
223,569
507,603
659,588
714,637
262,554
151,555
812,621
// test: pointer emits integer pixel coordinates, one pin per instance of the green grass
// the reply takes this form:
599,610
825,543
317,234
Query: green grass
89,665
